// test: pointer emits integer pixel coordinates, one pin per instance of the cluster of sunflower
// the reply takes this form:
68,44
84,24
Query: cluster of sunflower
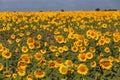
60,45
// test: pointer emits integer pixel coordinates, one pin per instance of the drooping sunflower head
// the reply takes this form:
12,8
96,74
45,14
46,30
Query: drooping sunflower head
63,69
105,64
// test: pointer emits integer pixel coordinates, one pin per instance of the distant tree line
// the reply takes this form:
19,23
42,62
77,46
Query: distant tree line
98,9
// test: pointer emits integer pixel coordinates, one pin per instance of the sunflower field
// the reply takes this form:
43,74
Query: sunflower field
79,45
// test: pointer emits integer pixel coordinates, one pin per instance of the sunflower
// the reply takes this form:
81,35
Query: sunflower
75,65
14,75
21,34
115,39
52,64
104,26
57,54
28,33
38,56
19,45
86,42
37,44
70,71
52,48
63,69
82,57
46,44
88,33
21,72
71,36
7,74
42,62
6,54
59,39
82,49
82,69
56,32
78,37
24,49
110,58
65,48
107,40
1,47
39,74
92,49
93,35
66,40
65,29
17,40
60,50
29,77
101,41
71,30
39,37
108,33
69,62
116,33
30,41
78,43
5,49
117,60
4,28
43,51
26,58
22,64
107,49
100,56
74,49
1,66
93,64
59,62
105,64
12,36
10,41
31,46
89,55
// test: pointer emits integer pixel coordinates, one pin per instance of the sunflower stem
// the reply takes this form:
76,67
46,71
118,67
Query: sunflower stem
6,65
83,77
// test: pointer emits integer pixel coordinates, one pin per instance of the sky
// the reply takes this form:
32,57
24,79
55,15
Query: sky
55,5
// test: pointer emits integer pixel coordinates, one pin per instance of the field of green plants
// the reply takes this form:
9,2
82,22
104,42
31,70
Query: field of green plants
60,45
